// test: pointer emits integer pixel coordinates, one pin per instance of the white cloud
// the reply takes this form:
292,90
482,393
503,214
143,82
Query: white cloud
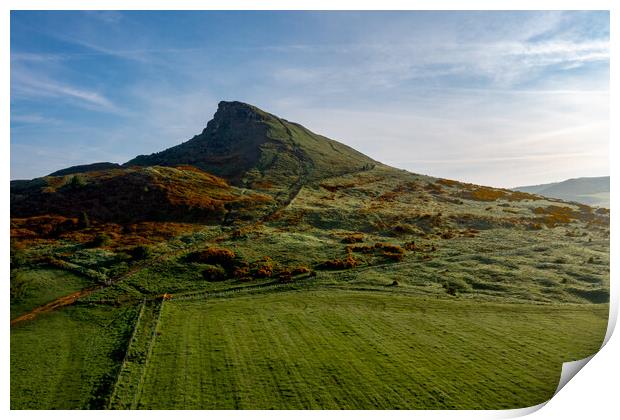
33,119
24,84
500,138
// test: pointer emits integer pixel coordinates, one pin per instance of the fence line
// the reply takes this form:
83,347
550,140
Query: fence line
124,362
134,404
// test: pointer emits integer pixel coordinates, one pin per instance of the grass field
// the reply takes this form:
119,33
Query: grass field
68,359
346,349
35,287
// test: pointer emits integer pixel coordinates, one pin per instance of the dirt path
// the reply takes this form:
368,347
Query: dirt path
72,297
53,305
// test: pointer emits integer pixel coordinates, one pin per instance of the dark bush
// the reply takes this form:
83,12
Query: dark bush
405,229
241,272
19,287
300,270
340,264
77,182
262,268
394,256
18,259
83,221
102,239
395,249
140,252
410,246
353,238
214,273
222,256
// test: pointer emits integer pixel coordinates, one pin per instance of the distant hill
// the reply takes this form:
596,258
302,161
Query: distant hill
593,191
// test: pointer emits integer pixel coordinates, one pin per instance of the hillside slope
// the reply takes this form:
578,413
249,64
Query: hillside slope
252,148
593,191
301,274
126,195
302,200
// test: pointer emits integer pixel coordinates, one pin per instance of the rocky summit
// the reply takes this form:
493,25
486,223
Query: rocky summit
252,148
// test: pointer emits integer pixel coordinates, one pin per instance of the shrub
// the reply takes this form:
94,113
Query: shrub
214,273
554,215
83,221
19,287
447,235
18,258
211,255
486,194
394,256
353,238
140,252
285,276
241,272
448,182
410,246
77,182
300,270
102,239
340,264
364,249
389,248
263,268
405,229
334,188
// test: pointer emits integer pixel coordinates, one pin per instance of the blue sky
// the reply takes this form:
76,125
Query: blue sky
496,98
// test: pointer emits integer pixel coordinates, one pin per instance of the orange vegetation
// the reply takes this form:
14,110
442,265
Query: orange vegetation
448,182
493,194
336,187
46,229
340,264
552,215
353,238
263,268
212,255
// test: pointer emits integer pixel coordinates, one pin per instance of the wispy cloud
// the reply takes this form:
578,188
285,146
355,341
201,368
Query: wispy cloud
24,84
501,98
33,119
502,63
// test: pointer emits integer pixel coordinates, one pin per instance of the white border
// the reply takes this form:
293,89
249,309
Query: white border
592,394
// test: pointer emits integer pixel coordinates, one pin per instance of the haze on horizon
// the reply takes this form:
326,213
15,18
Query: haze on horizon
495,98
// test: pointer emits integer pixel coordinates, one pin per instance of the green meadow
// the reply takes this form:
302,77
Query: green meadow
343,349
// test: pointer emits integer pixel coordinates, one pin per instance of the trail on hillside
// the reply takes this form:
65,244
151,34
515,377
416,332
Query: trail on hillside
55,304
74,296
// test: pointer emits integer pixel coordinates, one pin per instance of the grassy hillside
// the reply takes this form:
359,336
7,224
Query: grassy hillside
309,276
592,191
35,287
127,195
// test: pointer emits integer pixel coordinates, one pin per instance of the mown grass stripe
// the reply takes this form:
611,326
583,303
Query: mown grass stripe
123,367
